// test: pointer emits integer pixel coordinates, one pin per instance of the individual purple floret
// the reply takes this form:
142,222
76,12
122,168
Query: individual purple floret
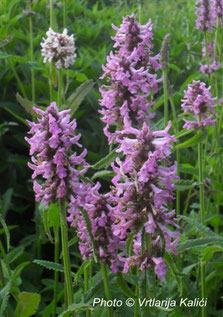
130,74
143,190
212,59
53,137
205,15
199,102
101,218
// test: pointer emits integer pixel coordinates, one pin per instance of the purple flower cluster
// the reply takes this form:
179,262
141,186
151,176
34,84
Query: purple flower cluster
218,6
53,137
142,192
205,15
213,63
130,72
199,102
100,214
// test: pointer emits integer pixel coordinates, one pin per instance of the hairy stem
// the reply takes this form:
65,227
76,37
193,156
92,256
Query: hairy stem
31,55
202,215
165,92
65,251
56,273
86,286
64,14
176,128
107,287
60,85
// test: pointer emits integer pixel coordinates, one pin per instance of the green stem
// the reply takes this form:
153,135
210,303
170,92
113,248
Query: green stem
17,78
60,83
202,215
165,92
31,55
176,128
203,287
56,273
136,306
65,250
86,286
106,286
200,166
51,15
64,14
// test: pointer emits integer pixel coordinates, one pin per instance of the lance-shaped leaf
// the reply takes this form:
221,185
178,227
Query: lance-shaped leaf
74,101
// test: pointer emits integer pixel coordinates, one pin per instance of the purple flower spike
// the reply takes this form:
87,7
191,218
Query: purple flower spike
218,6
142,192
101,217
199,102
205,15
130,73
51,142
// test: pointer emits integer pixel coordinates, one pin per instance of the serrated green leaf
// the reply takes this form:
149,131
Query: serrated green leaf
18,270
184,184
107,160
2,231
14,254
4,304
188,169
6,289
182,133
28,304
201,228
192,141
76,308
26,104
76,98
197,243
50,265
103,174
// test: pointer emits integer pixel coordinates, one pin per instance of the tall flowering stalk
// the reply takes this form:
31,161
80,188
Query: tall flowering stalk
142,188
205,15
130,74
199,102
142,191
59,49
53,137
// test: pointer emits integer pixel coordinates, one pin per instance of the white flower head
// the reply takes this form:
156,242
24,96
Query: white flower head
58,48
